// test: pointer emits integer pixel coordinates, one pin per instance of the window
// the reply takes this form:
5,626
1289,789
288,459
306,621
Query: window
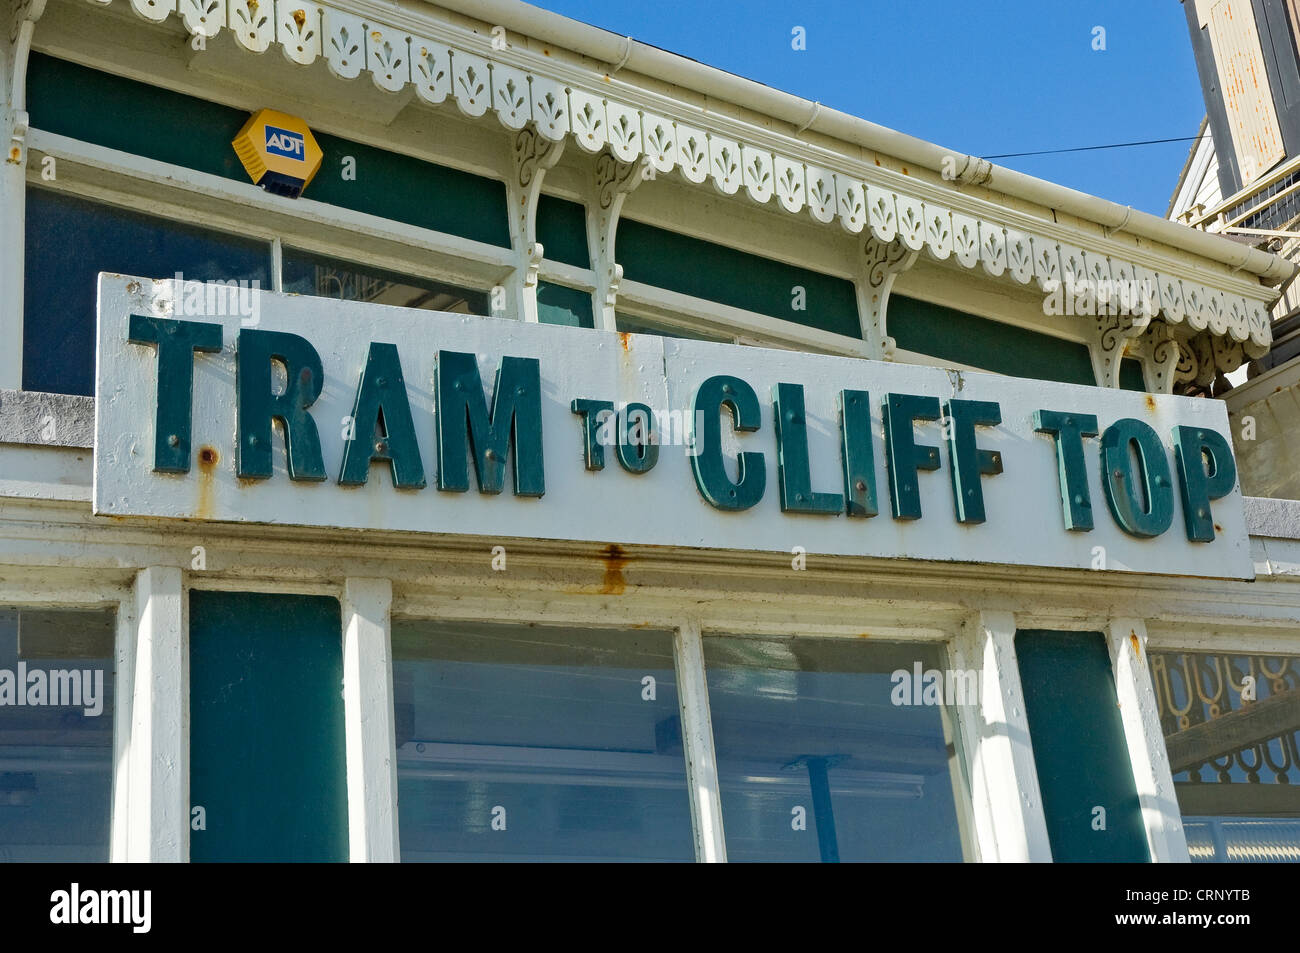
70,240
822,757
641,325
56,734
526,742
1231,722
307,274
557,304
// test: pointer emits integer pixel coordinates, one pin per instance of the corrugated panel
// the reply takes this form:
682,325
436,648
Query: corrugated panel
1247,96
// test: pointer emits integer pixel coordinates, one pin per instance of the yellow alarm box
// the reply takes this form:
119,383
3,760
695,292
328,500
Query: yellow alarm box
279,152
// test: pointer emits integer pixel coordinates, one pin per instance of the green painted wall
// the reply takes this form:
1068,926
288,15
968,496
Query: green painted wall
953,335
170,127
562,230
1079,748
266,727
703,269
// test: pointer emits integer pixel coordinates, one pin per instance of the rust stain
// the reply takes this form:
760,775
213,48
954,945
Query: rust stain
864,635
15,154
1137,646
623,339
905,172
877,162
614,583
1150,402
545,51
1218,528
208,459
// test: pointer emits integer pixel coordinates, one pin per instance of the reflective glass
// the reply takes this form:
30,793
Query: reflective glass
56,734
71,240
826,752
316,275
529,743
1232,725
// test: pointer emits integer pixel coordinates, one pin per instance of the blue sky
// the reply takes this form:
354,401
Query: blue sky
1006,76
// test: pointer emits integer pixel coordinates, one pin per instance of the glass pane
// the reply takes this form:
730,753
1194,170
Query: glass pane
56,734
307,274
557,304
70,240
1231,723
639,325
821,757
528,743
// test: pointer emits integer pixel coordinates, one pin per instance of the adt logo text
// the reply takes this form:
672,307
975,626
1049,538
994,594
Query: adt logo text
282,142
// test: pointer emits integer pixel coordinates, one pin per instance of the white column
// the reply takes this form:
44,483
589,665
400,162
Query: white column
158,748
13,175
697,738
1007,805
368,718
1166,839
123,678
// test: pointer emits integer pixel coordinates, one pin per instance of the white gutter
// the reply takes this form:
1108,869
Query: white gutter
625,53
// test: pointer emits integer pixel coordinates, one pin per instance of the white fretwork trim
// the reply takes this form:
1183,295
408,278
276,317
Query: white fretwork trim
516,94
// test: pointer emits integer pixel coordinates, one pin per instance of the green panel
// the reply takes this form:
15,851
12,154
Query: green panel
716,273
1130,374
1079,748
562,230
557,304
194,133
953,335
266,727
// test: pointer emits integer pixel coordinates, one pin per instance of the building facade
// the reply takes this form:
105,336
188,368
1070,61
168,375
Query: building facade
267,590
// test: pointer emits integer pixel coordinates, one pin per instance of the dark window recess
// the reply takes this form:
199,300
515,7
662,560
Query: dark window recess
142,119
702,269
562,230
307,274
557,304
1079,748
953,335
71,240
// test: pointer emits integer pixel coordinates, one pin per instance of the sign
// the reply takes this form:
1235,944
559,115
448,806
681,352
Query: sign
278,152
343,414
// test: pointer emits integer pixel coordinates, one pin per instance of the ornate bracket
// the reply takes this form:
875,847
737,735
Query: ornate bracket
881,263
21,29
532,155
1113,334
1163,358
613,182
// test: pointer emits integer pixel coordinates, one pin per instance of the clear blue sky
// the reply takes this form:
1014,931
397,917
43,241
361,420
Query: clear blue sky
1006,76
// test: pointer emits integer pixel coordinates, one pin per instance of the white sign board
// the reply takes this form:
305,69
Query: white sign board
694,494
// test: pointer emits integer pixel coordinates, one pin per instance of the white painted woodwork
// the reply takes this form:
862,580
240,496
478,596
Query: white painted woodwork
697,736
1139,713
368,720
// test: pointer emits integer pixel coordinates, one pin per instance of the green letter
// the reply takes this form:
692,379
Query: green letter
706,462
794,474
382,424
903,455
1141,499
966,459
1192,445
593,451
637,457
858,456
176,342
257,406
514,424
1068,431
